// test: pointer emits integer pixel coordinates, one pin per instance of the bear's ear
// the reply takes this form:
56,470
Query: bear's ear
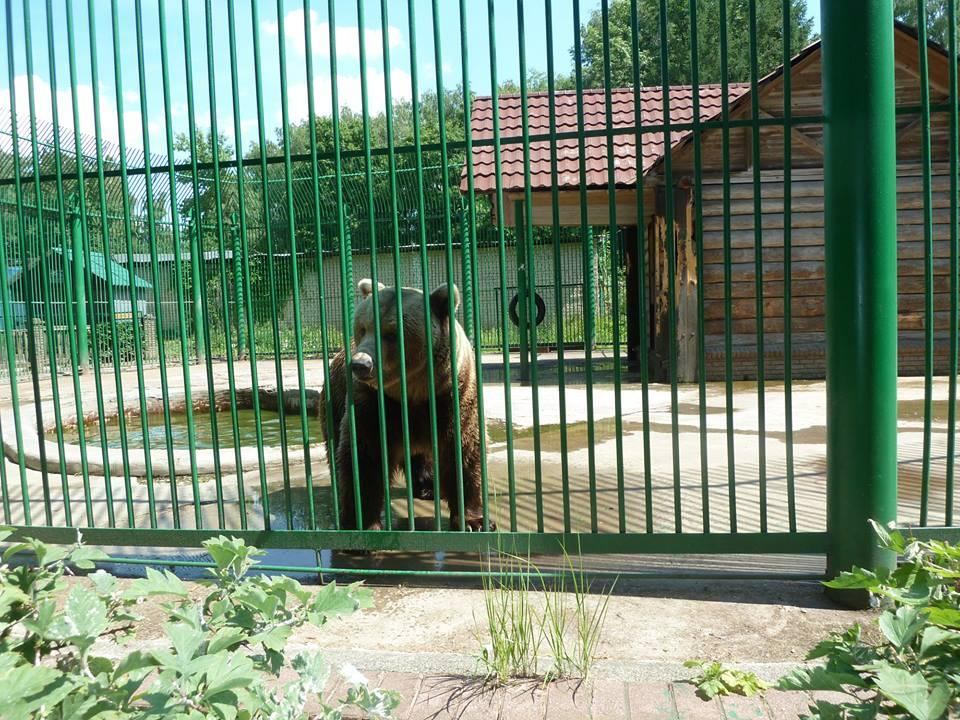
365,287
440,300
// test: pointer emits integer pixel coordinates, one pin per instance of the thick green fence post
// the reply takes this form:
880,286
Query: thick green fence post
466,284
861,287
79,291
196,262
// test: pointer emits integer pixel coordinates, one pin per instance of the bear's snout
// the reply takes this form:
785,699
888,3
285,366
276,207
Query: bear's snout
362,366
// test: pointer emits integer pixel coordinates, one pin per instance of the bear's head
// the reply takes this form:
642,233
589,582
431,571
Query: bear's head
363,361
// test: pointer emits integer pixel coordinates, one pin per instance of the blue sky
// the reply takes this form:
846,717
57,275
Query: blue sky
504,17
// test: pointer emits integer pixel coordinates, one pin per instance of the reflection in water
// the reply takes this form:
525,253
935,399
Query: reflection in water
202,429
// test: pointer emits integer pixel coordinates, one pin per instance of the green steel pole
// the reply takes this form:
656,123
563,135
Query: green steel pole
861,288
79,292
196,261
238,284
518,215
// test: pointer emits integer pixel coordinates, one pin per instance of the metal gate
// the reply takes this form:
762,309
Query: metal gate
651,250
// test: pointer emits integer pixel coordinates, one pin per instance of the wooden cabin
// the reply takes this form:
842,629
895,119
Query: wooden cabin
748,171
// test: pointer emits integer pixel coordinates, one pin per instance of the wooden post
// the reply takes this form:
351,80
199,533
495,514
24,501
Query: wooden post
686,286
631,256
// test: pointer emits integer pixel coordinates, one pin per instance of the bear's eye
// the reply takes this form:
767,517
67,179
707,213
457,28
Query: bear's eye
389,335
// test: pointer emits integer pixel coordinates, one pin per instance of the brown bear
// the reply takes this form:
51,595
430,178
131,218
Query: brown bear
362,374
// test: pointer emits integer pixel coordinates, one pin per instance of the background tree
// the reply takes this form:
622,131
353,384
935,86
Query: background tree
937,26
769,40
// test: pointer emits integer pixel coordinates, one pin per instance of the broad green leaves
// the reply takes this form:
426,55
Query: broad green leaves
218,658
715,679
913,670
923,699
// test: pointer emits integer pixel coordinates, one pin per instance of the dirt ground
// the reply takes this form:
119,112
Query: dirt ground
652,627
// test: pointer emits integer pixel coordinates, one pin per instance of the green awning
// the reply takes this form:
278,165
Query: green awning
119,276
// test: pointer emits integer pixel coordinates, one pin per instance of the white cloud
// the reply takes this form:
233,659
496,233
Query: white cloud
349,94
348,36
109,126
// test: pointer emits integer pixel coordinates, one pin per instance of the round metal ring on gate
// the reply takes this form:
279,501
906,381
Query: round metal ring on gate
541,309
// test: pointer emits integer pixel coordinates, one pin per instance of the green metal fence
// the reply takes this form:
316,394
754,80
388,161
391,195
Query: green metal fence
641,245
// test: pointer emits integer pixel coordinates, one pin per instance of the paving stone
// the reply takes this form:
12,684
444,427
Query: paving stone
786,705
738,707
651,701
568,700
456,697
524,701
407,684
609,700
690,707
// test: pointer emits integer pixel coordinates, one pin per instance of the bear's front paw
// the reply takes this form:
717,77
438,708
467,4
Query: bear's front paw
473,524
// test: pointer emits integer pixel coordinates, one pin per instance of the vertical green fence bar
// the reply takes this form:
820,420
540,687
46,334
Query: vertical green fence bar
954,270
861,284
198,266
557,269
14,393
614,254
398,280
698,245
221,246
244,243
21,233
71,245
346,254
469,246
151,212
501,258
788,264
586,240
642,269
90,297
258,70
79,293
134,298
178,265
727,270
529,318
671,248
457,458
194,222
758,265
294,267
928,318
43,261
321,278
374,252
105,232
238,284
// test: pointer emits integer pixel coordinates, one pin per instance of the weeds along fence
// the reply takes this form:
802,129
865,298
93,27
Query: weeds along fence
658,239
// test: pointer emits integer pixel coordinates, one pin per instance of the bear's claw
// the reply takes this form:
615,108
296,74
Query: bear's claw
473,524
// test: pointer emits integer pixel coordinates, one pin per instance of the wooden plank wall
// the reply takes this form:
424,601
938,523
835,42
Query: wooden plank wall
807,281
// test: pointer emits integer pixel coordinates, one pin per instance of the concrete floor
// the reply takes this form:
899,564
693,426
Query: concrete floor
679,472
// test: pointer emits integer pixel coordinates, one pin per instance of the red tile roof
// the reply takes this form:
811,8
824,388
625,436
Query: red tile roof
594,117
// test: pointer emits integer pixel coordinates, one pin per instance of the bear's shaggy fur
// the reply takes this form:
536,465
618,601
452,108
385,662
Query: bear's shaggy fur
361,374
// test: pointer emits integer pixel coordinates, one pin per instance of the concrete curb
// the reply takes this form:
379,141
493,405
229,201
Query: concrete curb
183,461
